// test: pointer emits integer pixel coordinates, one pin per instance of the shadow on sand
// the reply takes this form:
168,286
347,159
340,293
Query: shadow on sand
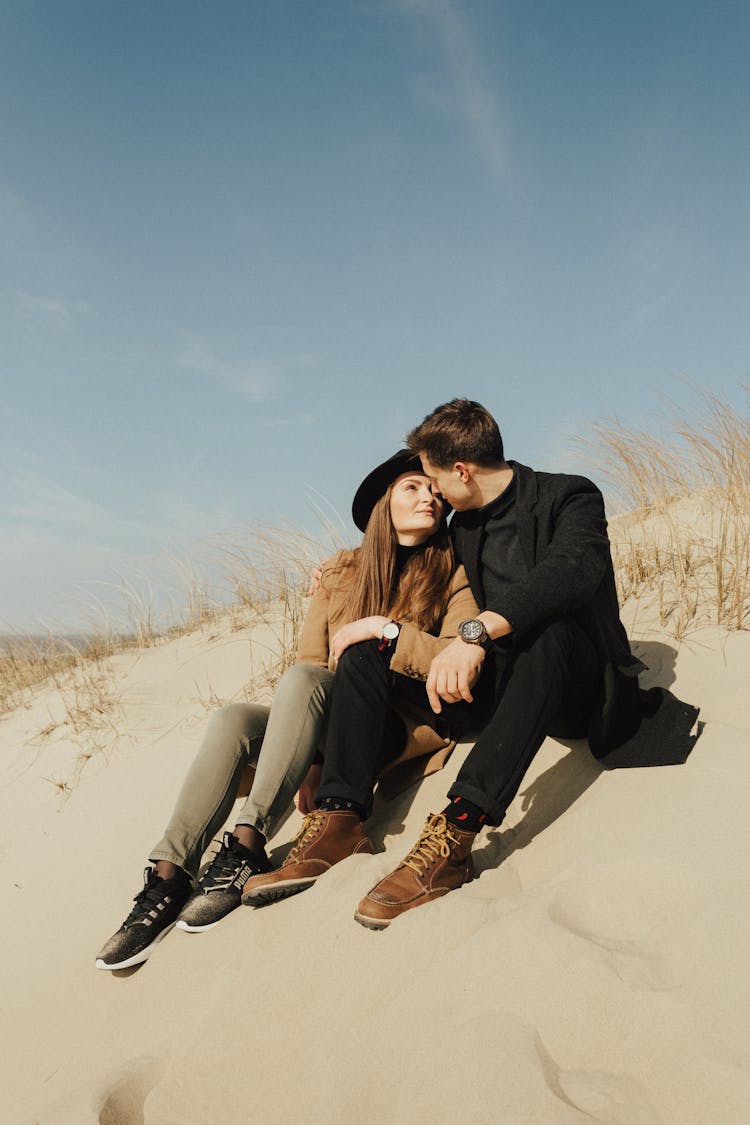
555,790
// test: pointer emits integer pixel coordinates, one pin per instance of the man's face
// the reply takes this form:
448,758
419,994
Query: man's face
448,483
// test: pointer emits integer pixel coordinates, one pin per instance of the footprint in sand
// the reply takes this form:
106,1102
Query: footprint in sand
639,919
122,1103
603,1096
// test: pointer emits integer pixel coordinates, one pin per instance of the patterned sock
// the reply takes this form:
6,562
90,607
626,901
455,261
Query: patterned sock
465,815
341,804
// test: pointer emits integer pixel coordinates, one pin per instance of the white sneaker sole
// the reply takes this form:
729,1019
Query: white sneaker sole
191,929
137,958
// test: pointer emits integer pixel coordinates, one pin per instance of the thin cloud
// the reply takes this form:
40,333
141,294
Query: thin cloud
52,311
476,100
653,276
17,223
255,380
36,497
40,267
292,422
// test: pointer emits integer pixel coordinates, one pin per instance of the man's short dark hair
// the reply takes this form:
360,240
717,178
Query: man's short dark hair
459,430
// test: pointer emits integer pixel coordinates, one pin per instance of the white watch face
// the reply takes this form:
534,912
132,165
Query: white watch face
391,631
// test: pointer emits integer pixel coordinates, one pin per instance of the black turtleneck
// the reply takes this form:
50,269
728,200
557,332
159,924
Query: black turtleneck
403,554
501,559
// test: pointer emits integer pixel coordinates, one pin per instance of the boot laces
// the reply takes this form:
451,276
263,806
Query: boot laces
311,825
434,843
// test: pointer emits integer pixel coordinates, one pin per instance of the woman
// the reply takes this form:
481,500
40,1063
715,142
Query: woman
400,589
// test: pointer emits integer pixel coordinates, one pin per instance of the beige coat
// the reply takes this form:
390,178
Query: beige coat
427,747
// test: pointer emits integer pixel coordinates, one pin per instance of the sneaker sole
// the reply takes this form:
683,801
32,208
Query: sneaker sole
137,958
262,896
372,923
188,928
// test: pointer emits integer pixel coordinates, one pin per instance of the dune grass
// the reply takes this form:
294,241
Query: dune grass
682,542
263,575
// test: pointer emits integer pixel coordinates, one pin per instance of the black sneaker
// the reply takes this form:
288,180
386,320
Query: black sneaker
153,916
219,889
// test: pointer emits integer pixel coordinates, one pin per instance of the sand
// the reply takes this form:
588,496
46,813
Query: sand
594,972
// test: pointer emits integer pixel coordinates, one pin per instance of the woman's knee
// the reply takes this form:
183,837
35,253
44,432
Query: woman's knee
304,680
238,723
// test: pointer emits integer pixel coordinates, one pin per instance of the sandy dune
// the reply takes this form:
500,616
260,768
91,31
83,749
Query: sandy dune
595,971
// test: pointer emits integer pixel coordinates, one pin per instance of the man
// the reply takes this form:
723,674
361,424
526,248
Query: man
548,637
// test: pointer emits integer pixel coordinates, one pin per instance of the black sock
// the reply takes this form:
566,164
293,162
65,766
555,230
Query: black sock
465,815
180,877
341,804
257,845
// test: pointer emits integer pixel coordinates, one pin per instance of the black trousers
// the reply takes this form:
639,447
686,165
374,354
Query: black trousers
364,732
546,683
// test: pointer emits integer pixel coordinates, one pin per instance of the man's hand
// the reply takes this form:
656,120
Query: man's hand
367,628
315,579
453,673
308,790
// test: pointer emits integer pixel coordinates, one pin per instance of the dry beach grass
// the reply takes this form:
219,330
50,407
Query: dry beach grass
261,577
683,541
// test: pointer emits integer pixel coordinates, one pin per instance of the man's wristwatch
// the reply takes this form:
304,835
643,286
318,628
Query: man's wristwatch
389,635
473,632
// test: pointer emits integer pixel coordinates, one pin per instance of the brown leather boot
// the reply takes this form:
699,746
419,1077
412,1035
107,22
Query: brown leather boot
324,839
439,862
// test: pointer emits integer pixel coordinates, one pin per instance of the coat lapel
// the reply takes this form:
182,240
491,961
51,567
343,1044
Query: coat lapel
468,539
526,498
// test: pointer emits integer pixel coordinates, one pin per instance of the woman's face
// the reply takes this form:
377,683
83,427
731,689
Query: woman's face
415,512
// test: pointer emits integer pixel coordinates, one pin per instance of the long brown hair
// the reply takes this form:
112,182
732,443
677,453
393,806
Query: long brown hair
422,591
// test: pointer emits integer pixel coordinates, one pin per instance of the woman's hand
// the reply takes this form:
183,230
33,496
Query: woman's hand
308,790
365,629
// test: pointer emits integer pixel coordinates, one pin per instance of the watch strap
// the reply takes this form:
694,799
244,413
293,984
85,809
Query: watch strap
484,640
389,635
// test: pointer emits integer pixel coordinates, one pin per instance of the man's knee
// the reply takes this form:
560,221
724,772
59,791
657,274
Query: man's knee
555,636
365,654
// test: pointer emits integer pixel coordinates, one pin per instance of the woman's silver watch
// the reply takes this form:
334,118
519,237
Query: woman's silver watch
389,635
473,632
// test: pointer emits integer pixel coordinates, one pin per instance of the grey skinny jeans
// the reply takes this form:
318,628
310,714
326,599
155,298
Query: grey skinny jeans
280,741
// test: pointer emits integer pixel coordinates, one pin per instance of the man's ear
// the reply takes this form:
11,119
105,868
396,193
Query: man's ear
463,470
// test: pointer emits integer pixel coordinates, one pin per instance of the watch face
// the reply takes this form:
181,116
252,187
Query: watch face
391,631
472,630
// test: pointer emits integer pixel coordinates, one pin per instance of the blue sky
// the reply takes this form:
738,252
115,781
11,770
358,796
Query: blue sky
244,247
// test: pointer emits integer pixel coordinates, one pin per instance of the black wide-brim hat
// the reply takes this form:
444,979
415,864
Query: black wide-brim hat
376,484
